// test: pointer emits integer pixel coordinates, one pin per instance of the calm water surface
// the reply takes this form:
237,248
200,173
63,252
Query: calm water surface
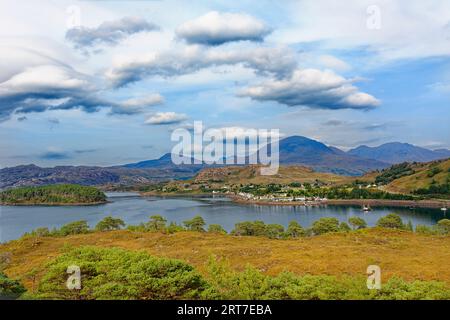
16,220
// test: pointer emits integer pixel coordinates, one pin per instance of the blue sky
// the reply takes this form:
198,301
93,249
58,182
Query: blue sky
105,82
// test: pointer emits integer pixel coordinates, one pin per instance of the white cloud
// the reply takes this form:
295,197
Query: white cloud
312,88
109,32
136,105
215,28
278,61
161,118
334,63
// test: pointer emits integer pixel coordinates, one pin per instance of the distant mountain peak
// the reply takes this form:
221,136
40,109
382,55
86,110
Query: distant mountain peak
396,152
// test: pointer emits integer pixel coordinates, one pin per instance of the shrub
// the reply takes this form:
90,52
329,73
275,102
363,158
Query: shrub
274,231
109,223
392,220
295,230
251,284
174,227
10,289
156,223
77,227
443,226
195,224
325,225
357,222
216,228
112,273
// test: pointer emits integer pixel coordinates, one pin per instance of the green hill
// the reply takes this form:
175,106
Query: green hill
428,179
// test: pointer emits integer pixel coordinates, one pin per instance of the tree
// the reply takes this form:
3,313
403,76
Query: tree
325,225
216,228
295,230
195,224
109,223
392,221
274,231
357,222
77,227
443,226
157,223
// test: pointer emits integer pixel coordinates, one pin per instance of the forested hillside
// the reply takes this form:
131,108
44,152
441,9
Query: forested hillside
54,194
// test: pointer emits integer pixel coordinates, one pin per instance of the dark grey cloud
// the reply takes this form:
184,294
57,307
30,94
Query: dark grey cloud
314,89
22,118
278,62
216,28
109,32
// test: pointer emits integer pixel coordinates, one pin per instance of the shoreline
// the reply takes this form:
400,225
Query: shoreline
431,204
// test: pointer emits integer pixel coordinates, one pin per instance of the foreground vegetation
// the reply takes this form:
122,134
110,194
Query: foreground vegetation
53,194
113,273
326,261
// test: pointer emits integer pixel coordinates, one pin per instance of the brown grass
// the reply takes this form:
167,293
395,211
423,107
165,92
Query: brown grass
398,253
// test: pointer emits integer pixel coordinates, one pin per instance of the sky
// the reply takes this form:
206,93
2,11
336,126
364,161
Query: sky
106,82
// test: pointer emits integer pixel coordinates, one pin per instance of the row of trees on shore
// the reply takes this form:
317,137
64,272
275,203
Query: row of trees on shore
294,230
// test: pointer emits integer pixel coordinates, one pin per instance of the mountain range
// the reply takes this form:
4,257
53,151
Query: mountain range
396,152
296,150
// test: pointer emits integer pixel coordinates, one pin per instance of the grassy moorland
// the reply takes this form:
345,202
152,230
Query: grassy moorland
64,194
218,265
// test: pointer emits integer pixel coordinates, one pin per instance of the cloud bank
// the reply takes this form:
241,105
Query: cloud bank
266,61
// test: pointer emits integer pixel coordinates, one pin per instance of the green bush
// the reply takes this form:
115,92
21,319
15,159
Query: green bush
325,225
216,228
10,289
251,284
357,222
112,273
195,224
157,223
76,227
274,231
295,230
109,224
392,221
443,226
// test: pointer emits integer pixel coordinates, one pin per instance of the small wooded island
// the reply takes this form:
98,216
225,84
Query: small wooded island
63,194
